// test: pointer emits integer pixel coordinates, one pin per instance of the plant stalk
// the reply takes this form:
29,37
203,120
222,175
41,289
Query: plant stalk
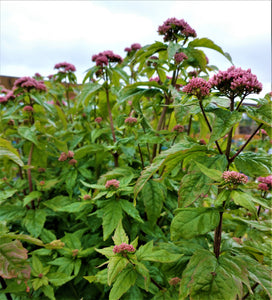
4,286
29,173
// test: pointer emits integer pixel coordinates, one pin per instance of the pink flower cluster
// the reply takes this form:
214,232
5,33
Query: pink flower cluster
64,156
262,131
123,248
131,120
265,183
28,108
236,81
103,58
152,61
174,281
234,177
197,86
29,83
133,47
112,183
173,28
178,128
98,120
157,79
179,57
65,67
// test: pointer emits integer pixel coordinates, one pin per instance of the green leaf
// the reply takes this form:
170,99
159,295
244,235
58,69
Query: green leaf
122,284
87,150
120,235
261,114
13,260
112,214
33,195
144,250
39,282
191,222
162,256
223,122
172,49
37,267
49,292
61,116
115,266
8,151
130,209
211,173
34,221
88,90
28,134
7,194
204,278
254,164
243,199
58,278
11,212
57,202
207,43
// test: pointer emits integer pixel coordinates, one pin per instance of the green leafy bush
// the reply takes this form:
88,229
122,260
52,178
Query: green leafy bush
132,185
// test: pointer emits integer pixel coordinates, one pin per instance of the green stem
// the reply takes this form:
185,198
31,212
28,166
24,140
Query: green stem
189,125
29,173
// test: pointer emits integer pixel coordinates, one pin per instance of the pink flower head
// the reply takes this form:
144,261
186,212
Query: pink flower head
263,187
42,182
65,67
174,281
263,132
86,197
265,181
127,49
112,183
70,154
236,82
98,120
103,58
202,142
198,87
72,161
63,156
123,248
178,128
234,177
3,99
152,61
193,73
157,79
136,46
131,120
38,75
179,57
29,83
172,29
28,108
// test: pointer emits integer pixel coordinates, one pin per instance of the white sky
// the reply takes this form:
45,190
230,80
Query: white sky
35,35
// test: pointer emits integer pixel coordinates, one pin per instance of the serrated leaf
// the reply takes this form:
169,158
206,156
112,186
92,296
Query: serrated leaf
207,43
112,214
243,199
8,151
122,284
144,250
13,260
49,292
193,221
58,278
120,235
211,173
162,256
7,194
28,134
33,195
34,221
261,114
115,266
131,210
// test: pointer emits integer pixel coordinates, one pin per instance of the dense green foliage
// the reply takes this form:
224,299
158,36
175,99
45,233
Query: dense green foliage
106,166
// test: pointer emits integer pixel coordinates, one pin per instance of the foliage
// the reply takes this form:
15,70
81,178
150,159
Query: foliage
127,187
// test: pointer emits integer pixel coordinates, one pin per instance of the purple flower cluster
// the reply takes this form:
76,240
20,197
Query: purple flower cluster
152,61
179,57
234,177
178,128
65,67
172,29
197,86
174,281
133,47
265,183
123,248
29,83
157,79
28,108
236,82
64,156
131,120
112,183
98,120
103,58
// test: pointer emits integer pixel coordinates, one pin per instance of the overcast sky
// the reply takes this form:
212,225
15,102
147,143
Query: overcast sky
35,35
